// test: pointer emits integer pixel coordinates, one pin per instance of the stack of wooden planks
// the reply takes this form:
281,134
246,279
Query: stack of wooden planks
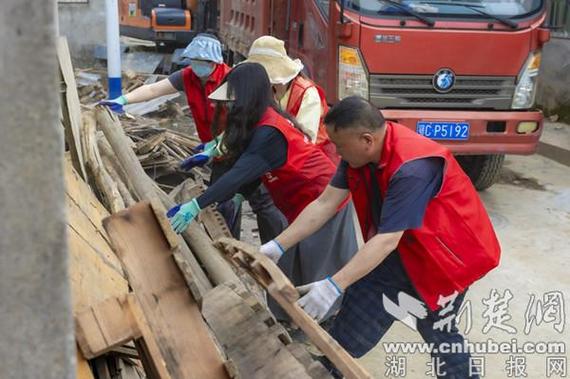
159,150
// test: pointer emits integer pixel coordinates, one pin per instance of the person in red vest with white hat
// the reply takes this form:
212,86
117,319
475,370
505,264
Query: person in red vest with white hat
428,236
296,94
262,143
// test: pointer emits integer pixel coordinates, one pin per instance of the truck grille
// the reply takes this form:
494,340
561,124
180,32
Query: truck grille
416,91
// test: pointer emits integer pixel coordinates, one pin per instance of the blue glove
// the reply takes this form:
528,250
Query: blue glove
210,150
116,105
199,148
207,145
182,215
194,160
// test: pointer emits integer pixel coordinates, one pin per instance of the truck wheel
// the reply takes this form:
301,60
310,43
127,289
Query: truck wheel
483,170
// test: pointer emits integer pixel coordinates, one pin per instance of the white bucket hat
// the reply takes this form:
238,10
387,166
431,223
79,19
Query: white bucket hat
270,53
204,47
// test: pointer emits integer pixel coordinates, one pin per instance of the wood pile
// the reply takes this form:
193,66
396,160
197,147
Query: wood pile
147,302
158,147
160,150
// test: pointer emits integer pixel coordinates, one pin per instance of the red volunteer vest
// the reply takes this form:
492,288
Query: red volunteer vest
304,175
456,245
197,96
298,88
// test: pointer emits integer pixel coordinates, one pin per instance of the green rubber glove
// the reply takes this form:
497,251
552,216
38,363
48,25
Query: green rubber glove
214,146
237,200
187,212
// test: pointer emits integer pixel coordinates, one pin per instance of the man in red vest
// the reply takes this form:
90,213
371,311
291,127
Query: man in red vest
428,236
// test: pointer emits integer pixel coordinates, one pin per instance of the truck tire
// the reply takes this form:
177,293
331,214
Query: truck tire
483,170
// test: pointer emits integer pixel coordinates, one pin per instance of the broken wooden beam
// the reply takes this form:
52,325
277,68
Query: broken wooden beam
257,346
266,273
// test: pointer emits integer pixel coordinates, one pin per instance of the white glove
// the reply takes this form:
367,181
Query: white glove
319,297
272,250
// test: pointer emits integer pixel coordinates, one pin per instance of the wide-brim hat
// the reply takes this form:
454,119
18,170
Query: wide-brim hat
221,93
270,53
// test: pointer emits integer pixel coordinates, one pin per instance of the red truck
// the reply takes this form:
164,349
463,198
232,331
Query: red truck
460,72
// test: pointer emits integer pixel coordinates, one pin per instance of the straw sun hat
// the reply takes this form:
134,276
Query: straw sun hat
270,53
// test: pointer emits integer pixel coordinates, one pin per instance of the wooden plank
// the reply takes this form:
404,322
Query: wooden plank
128,371
94,237
280,288
105,326
71,106
102,369
105,184
126,352
83,370
84,197
255,348
261,268
95,270
172,314
113,322
92,280
214,223
169,234
147,346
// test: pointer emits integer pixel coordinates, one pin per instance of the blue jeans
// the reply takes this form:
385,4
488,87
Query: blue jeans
363,320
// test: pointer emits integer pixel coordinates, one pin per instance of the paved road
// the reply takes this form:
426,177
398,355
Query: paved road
530,209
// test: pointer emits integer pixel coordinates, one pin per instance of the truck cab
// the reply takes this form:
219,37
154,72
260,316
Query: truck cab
463,73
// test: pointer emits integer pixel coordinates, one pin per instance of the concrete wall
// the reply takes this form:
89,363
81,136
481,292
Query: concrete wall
84,26
554,85
36,325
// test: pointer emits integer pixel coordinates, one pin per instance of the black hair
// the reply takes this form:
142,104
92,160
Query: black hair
354,111
249,85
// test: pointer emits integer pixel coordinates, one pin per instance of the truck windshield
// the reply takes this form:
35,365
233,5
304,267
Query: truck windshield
449,9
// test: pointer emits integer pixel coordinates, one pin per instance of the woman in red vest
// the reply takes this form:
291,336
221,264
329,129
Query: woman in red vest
296,94
428,236
267,146
204,74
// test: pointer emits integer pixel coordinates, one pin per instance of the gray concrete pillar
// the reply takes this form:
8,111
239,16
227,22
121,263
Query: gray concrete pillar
36,325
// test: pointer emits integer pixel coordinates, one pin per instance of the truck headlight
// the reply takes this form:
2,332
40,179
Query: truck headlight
526,86
352,76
